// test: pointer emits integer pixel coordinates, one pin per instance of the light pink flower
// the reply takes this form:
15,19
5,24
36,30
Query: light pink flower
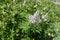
35,18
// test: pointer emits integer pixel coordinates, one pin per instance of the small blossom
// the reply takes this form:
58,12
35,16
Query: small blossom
14,1
36,14
35,18
44,17
30,18
24,3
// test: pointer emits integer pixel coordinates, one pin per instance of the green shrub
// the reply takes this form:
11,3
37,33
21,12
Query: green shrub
15,24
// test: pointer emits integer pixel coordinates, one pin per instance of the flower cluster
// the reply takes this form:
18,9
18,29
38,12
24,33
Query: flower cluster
36,19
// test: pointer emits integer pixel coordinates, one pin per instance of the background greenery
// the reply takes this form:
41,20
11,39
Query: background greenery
15,25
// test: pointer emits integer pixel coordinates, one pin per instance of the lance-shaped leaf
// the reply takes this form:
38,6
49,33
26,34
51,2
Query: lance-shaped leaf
14,1
44,17
24,3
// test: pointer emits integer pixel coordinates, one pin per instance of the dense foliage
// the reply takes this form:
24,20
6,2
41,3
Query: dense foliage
15,23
